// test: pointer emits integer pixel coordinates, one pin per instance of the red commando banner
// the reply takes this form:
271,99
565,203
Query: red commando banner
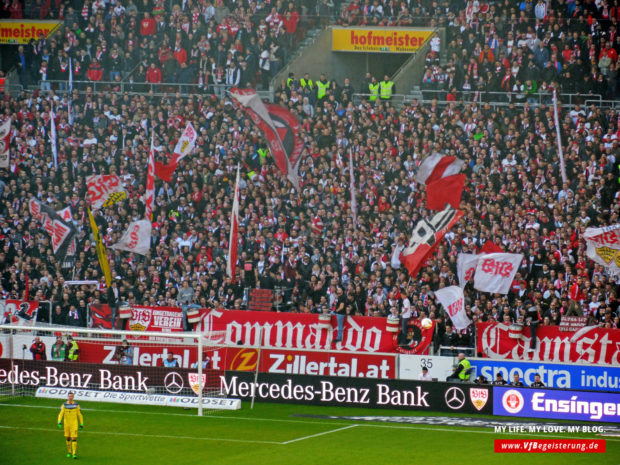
293,362
589,344
305,331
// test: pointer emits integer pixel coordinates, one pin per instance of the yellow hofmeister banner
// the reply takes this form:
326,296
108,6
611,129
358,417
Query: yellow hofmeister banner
379,40
17,31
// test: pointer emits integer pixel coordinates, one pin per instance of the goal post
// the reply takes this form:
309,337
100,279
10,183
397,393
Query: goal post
180,369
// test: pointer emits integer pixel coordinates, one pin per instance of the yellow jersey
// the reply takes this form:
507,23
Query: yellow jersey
71,413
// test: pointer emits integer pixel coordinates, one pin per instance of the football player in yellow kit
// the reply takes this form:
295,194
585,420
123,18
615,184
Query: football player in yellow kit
73,419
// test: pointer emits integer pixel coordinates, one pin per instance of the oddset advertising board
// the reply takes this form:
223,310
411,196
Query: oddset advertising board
358,392
590,344
553,375
557,404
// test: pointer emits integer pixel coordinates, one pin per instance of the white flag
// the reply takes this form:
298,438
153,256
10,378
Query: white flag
453,302
5,140
495,272
466,267
186,142
136,239
438,166
233,242
65,214
53,138
604,247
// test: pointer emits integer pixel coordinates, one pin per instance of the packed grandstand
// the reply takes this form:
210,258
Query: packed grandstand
140,72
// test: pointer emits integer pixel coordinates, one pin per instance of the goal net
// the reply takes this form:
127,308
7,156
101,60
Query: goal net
132,367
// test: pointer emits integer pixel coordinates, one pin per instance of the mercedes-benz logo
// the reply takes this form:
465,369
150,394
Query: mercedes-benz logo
455,398
173,382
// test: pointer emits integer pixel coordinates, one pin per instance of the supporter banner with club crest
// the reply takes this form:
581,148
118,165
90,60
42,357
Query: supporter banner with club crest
104,189
604,247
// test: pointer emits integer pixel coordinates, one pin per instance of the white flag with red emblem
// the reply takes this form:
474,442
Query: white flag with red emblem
233,243
136,239
495,272
466,267
453,302
5,140
149,195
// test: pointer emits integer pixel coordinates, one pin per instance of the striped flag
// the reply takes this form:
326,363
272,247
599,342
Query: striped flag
231,264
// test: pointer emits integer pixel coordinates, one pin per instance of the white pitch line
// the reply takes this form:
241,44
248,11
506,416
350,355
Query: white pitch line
187,415
318,434
162,436
283,420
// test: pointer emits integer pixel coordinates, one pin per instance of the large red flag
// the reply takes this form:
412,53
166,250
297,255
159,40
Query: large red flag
184,146
280,127
490,247
438,166
425,238
444,191
233,243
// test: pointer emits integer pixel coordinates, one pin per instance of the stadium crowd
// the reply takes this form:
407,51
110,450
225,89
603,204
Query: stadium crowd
305,242
209,44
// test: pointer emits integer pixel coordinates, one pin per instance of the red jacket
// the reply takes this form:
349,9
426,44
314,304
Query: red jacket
153,75
180,55
94,73
147,27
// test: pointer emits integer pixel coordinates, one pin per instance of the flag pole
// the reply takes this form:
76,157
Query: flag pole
557,134
231,265
352,188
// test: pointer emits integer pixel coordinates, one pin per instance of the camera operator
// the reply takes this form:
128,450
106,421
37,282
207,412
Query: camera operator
123,354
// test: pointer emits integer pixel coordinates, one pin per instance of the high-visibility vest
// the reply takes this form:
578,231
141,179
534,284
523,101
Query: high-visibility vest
374,91
386,89
321,89
464,373
289,82
2,80
73,351
305,83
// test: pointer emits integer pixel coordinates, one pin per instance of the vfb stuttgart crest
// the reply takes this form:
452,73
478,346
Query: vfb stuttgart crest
140,319
193,382
479,397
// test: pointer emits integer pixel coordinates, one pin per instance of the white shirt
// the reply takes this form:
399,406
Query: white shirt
425,377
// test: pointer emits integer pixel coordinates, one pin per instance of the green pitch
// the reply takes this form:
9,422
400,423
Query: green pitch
270,434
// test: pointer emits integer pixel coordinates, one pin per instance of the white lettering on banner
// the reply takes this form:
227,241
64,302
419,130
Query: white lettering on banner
552,378
139,398
291,334
590,344
596,410
300,365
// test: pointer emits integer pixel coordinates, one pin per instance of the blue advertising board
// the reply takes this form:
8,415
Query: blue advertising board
553,375
556,404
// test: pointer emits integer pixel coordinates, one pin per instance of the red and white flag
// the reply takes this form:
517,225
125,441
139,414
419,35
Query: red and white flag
233,243
446,190
65,214
184,147
425,238
604,247
438,166
453,301
281,129
149,195
5,140
352,188
495,272
490,247
101,186
136,239
466,267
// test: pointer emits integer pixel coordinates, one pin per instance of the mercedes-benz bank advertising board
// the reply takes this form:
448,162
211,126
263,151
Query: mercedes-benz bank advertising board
553,375
556,404
359,392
